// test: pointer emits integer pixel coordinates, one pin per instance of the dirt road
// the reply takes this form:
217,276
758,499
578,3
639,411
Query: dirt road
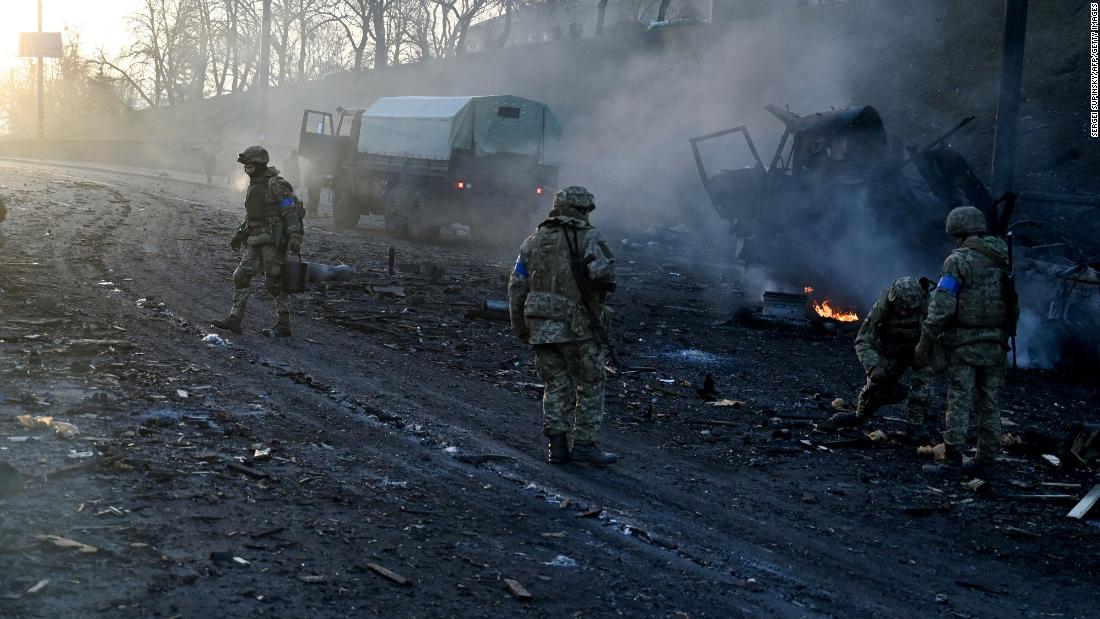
387,461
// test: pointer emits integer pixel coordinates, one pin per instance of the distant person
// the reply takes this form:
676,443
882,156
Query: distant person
209,159
292,171
971,311
885,345
547,303
273,225
313,188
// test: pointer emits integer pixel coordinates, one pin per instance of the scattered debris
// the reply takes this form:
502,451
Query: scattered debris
312,579
215,341
729,403
927,510
975,485
877,436
561,561
839,404
1054,461
517,590
247,470
1085,504
40,585
65,430
67,544
74,469
388,574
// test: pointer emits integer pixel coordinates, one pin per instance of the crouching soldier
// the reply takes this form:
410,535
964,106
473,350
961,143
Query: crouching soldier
885,345
273,225
561,280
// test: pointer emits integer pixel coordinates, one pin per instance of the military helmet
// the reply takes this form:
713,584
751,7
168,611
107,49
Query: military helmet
256,155
964,221
906,293
576,197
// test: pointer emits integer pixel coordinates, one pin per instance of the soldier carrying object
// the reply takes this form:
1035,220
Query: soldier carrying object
272,226
560,267
972,311
885,345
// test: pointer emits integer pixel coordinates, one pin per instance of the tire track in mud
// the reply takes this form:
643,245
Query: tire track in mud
730,524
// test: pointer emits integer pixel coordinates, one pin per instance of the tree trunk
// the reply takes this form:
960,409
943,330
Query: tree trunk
601,12
378,16
504,34
662,11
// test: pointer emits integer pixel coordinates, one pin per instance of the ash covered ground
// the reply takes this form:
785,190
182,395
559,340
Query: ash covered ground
387,461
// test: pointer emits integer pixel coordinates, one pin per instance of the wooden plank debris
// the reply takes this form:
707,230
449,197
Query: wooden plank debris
67,544
247,470
518,590
1087,503
388,574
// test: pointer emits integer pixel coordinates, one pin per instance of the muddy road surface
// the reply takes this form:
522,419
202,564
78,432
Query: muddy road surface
387,461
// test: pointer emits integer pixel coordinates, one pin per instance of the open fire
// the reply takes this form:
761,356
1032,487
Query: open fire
825,310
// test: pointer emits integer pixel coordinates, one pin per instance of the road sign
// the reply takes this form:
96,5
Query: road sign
40,44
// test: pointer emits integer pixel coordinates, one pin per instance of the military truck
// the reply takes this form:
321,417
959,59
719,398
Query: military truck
833,177
423,162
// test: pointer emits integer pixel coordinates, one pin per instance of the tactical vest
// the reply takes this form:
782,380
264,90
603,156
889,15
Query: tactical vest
258,205
981,302
265,224
554,295
899,334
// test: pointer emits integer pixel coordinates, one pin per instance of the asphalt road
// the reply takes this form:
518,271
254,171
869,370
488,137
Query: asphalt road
393,433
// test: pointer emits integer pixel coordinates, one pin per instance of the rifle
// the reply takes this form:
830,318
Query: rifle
1013,300
580,277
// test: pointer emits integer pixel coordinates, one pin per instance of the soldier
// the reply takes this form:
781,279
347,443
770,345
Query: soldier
885,345
562,277
313,188
273,225
971,312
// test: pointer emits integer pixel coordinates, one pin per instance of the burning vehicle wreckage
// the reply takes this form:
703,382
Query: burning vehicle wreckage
838,195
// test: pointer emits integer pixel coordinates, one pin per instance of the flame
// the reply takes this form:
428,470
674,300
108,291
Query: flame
825,310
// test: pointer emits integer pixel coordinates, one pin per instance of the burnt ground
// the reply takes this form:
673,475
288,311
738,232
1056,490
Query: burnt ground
404,436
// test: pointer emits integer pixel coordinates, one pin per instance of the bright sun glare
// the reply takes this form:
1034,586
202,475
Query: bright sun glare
101,23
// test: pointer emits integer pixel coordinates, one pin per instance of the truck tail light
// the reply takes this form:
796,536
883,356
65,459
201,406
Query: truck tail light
462,185
539,191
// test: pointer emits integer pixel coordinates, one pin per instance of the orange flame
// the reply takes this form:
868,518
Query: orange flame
825,310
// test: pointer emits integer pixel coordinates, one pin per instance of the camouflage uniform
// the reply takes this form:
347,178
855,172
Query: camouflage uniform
886,340
273,224
548,313
273,219
970,313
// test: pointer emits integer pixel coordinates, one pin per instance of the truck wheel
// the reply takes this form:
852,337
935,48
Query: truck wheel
397,217
345,210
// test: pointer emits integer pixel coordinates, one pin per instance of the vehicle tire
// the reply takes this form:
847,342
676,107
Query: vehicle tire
345,208
423,226
397,216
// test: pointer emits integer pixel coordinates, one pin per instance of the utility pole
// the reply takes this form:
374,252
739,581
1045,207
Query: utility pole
1003,171
41,88
263,74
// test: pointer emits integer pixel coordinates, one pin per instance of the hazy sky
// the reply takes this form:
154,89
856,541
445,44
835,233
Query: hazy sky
101,23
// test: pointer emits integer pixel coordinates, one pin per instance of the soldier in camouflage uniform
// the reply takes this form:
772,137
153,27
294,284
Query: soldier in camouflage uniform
273,225
885,345
971,312
548,311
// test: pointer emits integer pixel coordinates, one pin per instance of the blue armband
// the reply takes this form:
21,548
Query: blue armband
949,284
287,201
521,269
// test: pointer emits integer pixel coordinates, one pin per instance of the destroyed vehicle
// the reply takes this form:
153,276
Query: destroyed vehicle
832,173
423,162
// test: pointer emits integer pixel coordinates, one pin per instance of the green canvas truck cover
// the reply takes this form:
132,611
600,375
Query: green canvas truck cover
430,127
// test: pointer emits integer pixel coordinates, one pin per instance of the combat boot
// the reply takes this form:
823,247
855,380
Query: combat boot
846,420
951,467
917,434
557,451
588,453
280,328
977,469
231,322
